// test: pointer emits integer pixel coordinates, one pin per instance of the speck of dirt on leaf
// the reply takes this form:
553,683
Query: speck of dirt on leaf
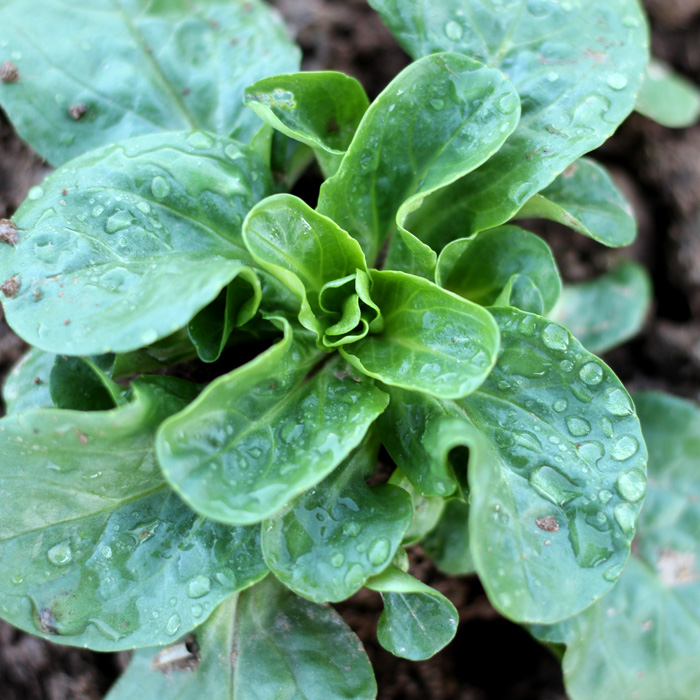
10,287
82,437
8,232
77,111
38,380
548,524
67,321
9,73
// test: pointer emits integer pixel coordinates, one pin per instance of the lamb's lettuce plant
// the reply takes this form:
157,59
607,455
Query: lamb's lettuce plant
216,521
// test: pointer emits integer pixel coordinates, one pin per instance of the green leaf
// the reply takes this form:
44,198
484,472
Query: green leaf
667,97
479,267
551,517
263,434
577,67
426,510
27,383
322,110
432,340
447,544
80,384
211,328
605,312
135,67
417,621
118,561
169,351
649,621
329,541
585,198
438,119
264,643
146,235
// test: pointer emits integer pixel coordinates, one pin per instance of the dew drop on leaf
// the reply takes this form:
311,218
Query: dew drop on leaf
198,586
631,485
160,187
454,31
172,625
338,559
354,576
560,406
625,515
578,427
591,373
200,141
60,554
624,447
555,337
379,551
35,193
618,403
617,81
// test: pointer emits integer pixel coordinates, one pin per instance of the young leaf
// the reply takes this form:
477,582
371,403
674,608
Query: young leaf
432,340
648,623
553,508
426,511
437,120
322,110
417,621
146,235
479,267
264,643
605,312
333,538
135,67
80,384
27,383
667,97
576,85
447,544
585,198
263,434
118,560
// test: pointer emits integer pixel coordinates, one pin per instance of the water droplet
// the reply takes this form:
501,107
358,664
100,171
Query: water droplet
618,403
591,451
172,625
352,530
106,551
291,431
555,337
200,141
437,104
552,76
553,485
625,514
561,405
35,193
591,373
119,221
197,610
617,81
355,576
566,365
60,554
454,31
145,207
160,187
631,485
508,103
624,447
338,559
578,427
379,551
630,21
527,440
232,152
97,210
17,579
198,586
604,495
612,573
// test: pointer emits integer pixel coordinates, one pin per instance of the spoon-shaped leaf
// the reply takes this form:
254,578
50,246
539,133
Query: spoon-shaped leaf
667,97
27,383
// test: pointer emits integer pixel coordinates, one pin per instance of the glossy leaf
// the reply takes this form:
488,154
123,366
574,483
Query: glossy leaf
263,434
438,119
417,621
649,621
605,312
479,267
322,110
426,511
585,198
447,544
432,340
577,67
27,383
333,538
667,97
135,67
118,561
146,235
264,643
169,351
551,526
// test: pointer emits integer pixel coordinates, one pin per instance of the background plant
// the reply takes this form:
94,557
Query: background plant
164,231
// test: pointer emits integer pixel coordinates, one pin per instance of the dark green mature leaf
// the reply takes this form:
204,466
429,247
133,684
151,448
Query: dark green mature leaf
577,67
432,340
322,110
553,508
263,434
134,67
417,620
605,312
264,643
447,544
437,120
27,383
118,561
80,384
642,639
333,538
479,267
667,97
146,235
585,198
167,352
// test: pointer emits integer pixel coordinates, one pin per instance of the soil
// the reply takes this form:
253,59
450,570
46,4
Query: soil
659,169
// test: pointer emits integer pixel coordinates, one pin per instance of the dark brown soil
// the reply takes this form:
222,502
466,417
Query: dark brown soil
491,659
